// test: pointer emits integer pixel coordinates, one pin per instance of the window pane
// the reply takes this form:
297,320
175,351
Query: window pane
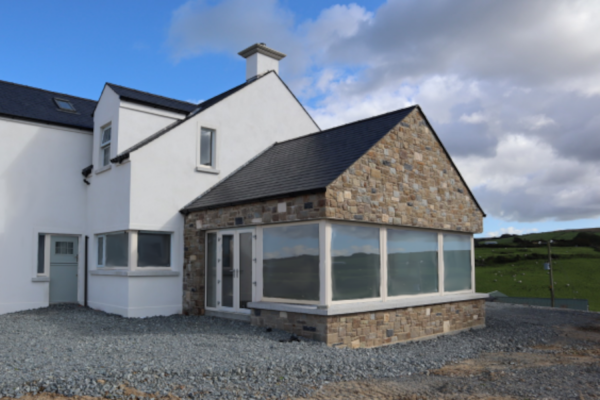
106,135
206,144
245,269
211,270
41,250
100,250
65,105
457,262
116,250
227,272
291,262
105,156
412,262
355,262
154,249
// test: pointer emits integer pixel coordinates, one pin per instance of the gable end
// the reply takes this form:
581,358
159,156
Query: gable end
407,179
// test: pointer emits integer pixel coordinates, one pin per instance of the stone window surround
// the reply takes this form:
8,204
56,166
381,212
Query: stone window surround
325,292
131,269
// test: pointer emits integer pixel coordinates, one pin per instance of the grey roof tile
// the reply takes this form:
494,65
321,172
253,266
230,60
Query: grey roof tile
305,164
33,104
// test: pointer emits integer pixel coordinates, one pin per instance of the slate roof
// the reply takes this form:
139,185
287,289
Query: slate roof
154,100
33,104
197,109
302,165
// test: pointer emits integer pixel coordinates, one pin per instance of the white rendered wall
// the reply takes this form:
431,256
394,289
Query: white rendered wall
41,190
258,64
164,177
108,202
137,122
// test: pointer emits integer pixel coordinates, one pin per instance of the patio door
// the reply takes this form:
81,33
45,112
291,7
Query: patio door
230,285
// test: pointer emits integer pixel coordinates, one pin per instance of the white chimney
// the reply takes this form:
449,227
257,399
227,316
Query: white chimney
260,59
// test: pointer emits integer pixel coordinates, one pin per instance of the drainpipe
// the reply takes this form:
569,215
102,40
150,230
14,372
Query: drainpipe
85,277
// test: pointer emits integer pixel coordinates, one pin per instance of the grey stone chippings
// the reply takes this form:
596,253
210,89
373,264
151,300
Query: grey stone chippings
71,350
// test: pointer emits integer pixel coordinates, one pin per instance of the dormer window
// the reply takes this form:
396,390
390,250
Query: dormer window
64,105
105,146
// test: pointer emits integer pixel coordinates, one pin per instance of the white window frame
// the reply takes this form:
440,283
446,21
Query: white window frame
325,266
132,251
104,145
47,252
440,265
133,240
442,276
212,169
382,265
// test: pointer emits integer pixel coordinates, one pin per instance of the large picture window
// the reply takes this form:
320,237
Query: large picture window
291,262
457,262
412,262
154,249
355,262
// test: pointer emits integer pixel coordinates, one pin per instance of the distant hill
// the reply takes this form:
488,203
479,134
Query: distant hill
567,237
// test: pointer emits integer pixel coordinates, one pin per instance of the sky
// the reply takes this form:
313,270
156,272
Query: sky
511,87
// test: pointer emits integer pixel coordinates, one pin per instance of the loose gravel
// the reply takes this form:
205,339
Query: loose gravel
71,350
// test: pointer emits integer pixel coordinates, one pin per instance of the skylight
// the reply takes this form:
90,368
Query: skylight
64,105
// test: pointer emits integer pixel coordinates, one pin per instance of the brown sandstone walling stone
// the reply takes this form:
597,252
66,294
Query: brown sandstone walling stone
373,329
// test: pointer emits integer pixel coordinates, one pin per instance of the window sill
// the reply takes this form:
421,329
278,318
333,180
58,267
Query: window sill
41,279
131,274
103,169
342,309
208,170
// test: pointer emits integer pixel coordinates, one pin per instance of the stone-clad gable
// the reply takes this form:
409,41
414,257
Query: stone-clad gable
405,179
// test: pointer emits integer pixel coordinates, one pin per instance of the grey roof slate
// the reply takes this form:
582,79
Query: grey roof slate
33,104
197,109
302,165
154,100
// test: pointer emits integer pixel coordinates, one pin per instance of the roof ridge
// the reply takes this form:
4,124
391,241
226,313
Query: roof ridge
152,94
48,91
349,123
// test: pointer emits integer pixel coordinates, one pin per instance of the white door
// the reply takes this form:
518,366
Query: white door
63,269
230,286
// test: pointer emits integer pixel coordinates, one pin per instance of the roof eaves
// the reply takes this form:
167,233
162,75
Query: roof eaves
186,211
153,105
43,121
125,154
451,161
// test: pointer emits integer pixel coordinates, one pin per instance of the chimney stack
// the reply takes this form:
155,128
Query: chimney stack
260,59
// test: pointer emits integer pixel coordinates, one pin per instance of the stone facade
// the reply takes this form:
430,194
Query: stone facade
406,179
373,329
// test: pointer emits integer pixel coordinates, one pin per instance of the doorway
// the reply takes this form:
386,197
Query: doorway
63,269
230,270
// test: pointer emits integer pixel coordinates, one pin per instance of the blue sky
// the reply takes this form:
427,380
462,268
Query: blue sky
512,88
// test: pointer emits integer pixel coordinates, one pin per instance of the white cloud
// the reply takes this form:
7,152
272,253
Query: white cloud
535,122
474,118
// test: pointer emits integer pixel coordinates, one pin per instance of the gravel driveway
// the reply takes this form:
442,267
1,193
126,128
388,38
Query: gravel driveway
73,351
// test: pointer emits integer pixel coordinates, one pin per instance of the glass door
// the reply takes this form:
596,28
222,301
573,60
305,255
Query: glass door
230,259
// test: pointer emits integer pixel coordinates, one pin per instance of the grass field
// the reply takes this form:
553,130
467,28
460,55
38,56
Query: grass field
576,273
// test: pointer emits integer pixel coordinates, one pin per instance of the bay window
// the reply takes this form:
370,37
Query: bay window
151,249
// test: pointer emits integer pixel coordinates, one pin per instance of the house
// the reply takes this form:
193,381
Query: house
237,207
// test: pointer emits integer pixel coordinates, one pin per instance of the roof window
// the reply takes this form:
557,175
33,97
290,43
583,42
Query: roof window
64,105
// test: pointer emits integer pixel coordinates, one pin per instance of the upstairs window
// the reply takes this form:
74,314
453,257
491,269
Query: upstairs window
206,149
64,105
105,146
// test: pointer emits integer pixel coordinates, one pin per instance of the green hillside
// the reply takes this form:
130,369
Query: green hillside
515,265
